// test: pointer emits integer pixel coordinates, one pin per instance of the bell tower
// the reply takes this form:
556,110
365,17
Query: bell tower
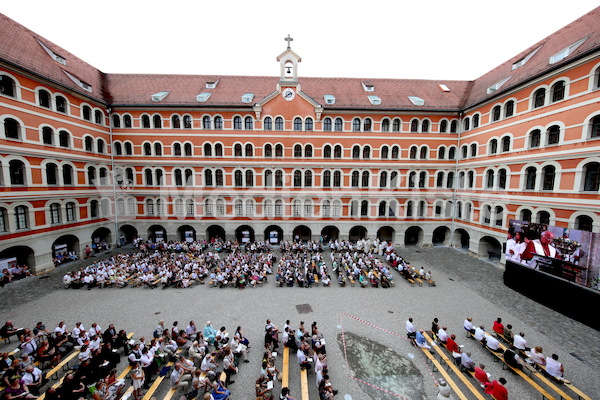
288,64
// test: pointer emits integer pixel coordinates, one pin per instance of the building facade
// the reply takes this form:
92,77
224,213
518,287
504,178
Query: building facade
87,156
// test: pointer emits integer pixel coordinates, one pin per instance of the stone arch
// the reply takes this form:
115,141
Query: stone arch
413,236
215,231
129,231
102,234
183,233
441,236
490,248
461,239
273,234
244,234
357,233
65,244
157,233
23,254
302,231
386,233
330,232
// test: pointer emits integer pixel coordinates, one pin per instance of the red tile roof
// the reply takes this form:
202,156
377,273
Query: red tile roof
20,47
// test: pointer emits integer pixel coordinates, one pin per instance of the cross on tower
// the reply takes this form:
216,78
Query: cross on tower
288,39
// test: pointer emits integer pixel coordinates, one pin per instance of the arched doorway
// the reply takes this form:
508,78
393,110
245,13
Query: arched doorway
157,233
386,233
186,233
64,245
330,232
273,234
129,231
215,232
490,248
461,239
102,235
357,233
413,235
244,234
303,232
23,255
441,236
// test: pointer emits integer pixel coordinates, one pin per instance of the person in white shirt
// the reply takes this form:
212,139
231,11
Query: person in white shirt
480,334
33,378
303,361
468,325
442,335
179,379
28,347
553,367
492,343
519,342
95,330
77,330
537,355
411,332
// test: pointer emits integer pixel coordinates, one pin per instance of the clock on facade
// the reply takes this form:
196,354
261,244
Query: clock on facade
288,94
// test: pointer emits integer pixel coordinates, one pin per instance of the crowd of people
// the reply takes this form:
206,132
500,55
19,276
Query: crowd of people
13,273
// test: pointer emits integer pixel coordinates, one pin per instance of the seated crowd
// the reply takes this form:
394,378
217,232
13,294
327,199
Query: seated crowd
13,273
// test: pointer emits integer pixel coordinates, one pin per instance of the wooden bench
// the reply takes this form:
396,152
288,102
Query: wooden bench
445,374
316,279
158,380
64,363
455,369
411,281
419,281
304,383
285,369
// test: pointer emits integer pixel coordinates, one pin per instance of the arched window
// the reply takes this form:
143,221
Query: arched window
422,179
467,124
207,150
189,178
176,122
16,170
307,178
487,214
208,207
208,177
98,117
297,178
385,125
383,175
558,91
506,144
21,217
157,121
356,152
326,178
499,213
425,126
441,153
443,126
413,153
249,178
493,146
61,104
471,179
127,123
337,179
396,125
489,179
366,152
118,149
237,150
414,125
12,129
219,178
337,151
548,176
355,178
364,208
268,180
206,122
7,86
473,149
535,138
423,153
278,150
178,178
278,208
530,178
543,217
584,223
365,179
509,108
339,125
218,150
591,181
308,124
218,122
238,181
149,177
278,124
539,98
147,149
327,151
496,112
475,121
249,150
395,152
278,178
394,179
409,209
237,122
411,179
367,125
67,173
248,123
297,151
44,98
86,112
308,151
439,180
356,125
187,122
70,211
176,149
51,174
422,209
327,124
453,126
595,127
465,151
297,124
502,179
450,180
47,135
268,150
100,146
553,135
268,124
384,152
145,121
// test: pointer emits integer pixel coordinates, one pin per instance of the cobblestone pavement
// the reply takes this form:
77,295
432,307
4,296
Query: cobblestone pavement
466,287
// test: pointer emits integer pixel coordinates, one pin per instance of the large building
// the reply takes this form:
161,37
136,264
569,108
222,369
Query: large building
88,156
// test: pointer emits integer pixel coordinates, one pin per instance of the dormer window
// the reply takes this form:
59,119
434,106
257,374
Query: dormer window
444,88
247,97
85,86
497,86
524,60
160,96
375,100
564,53
212,84
55,57
329,99
417,101
203,97
368,87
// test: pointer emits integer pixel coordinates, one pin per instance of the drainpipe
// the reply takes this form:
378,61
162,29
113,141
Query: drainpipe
456,182
114,180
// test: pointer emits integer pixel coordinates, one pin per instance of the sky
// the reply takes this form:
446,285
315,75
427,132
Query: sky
397,39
